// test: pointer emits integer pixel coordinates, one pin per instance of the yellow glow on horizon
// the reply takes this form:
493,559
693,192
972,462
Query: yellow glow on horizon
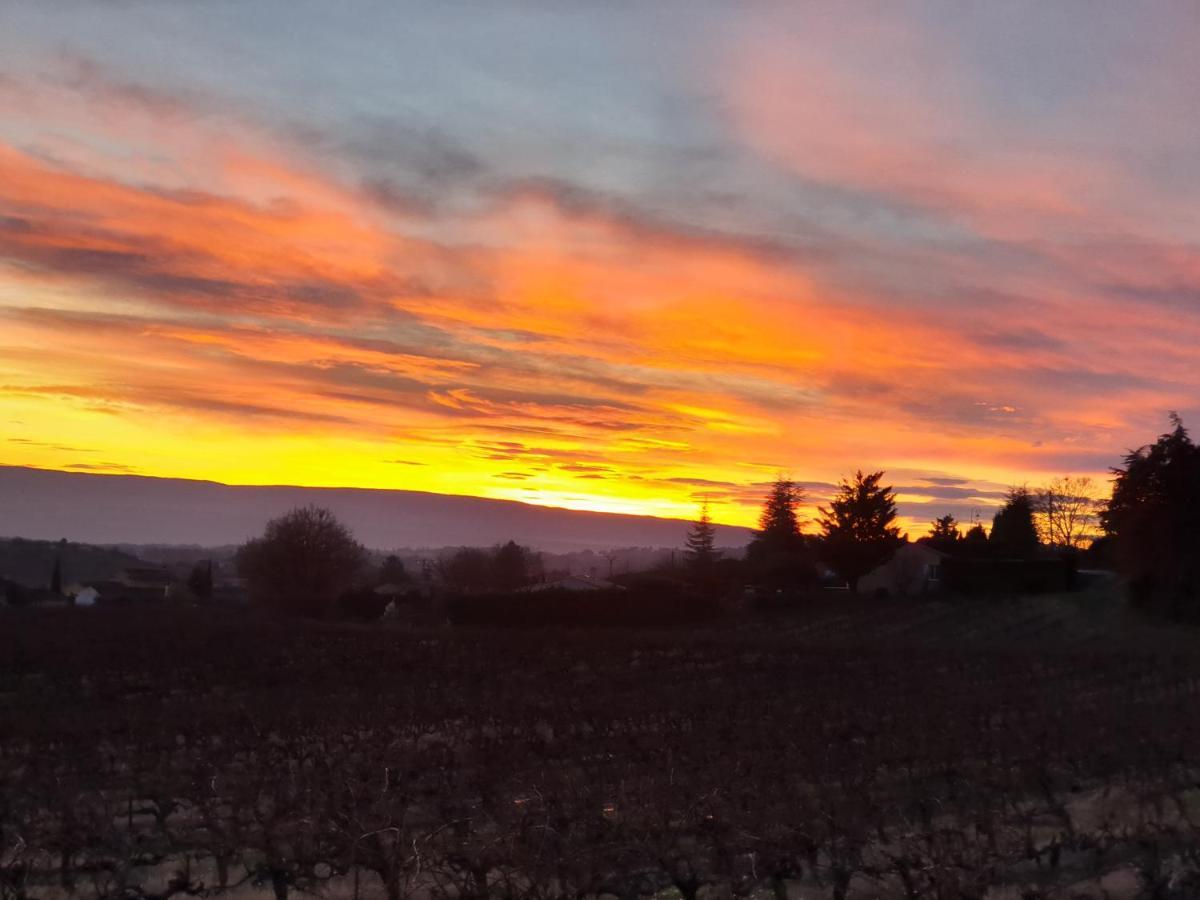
279,326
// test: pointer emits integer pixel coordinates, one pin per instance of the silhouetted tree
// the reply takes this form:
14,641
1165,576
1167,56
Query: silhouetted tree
778,553
944,534
779,523
510,567
200,579
505,567
467,568
1067,511
15,595
56,575
701,550
1098,554
303,561
1014,533
976,539
392,571
1153,521
362,603
858,527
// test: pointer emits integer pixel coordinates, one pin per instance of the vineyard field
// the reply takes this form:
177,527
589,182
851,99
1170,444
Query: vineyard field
1041,747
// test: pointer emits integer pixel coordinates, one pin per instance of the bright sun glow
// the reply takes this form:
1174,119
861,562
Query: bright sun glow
510,279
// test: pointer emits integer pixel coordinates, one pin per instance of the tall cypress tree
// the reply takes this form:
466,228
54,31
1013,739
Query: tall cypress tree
778,553
778,524
701,537
1013,530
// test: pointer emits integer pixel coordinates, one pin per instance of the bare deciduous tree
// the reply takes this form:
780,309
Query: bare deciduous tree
1066,511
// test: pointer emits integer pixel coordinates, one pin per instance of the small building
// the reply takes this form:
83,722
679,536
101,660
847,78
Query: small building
82,594
145,581
913,569
120,591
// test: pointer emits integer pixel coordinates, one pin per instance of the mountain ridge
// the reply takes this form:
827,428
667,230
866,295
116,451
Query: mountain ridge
49,504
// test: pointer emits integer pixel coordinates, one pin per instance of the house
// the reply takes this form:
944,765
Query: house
82,594
146,582
120,591
912,570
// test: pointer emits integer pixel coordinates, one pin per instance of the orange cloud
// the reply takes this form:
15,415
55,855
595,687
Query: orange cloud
251,316
911,130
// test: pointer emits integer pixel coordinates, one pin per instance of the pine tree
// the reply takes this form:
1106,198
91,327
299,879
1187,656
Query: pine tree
778,525
858,526
778,554
943,533
56,576
1013,530
701,552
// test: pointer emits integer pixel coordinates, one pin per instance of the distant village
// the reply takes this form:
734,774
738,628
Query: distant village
47,575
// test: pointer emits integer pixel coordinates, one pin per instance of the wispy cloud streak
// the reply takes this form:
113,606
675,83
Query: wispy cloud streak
927,272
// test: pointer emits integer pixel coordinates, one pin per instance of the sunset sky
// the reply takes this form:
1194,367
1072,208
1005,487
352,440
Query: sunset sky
608,256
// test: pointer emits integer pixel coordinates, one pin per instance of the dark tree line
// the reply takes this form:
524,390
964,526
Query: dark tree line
1015,530
308,563
307,559
1153,522
858,533
505,567
1150,524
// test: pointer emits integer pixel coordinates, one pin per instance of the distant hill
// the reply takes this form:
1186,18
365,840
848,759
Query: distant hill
128,509
31,562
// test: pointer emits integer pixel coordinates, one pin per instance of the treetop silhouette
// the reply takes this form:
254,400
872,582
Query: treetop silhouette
858,526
